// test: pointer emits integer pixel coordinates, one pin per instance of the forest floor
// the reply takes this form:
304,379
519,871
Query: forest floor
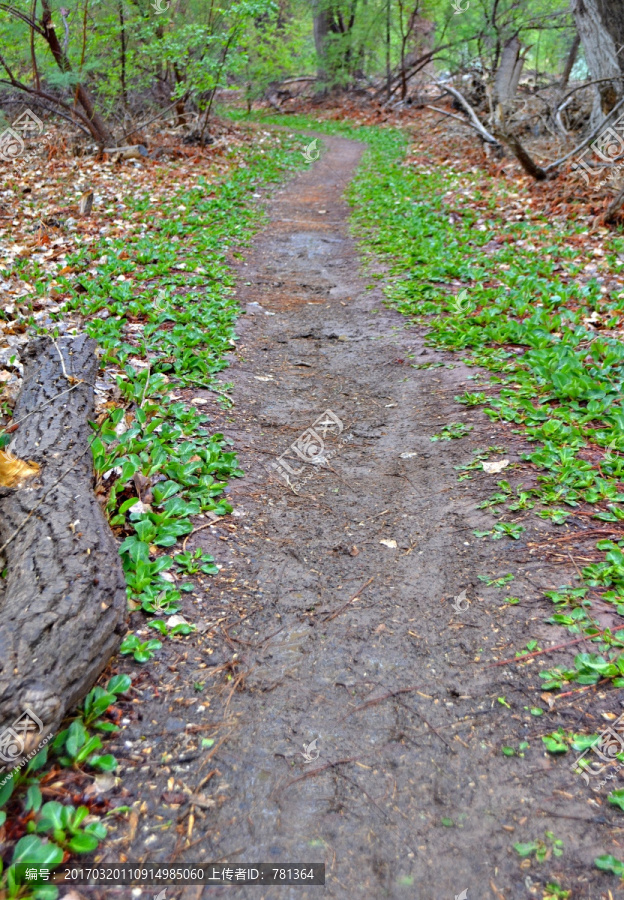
363,685
334,620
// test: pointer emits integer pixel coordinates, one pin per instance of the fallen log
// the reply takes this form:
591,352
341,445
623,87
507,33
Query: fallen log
63,607
133,151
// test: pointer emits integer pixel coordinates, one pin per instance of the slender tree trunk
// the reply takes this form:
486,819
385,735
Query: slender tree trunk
122,36
33,56
570,63
321,31
388,69
97,125
181,103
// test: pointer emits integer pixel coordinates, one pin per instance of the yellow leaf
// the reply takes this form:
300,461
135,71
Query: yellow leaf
13,470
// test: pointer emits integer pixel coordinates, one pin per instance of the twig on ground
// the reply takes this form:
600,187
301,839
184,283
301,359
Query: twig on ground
350,600
376,700
524,657
314,772
199,528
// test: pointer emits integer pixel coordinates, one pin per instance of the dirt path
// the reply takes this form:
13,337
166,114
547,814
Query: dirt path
410,795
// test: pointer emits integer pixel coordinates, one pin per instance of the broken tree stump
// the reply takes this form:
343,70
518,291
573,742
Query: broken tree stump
63,609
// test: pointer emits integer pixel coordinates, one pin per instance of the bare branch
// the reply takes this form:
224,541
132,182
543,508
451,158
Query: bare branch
485,134
588,140
55,112
23,17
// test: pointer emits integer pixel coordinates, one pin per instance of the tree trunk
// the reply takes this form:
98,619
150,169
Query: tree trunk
570,63
64,601
180,102
98,127
122,38
600,24
321,32
507,78
388,69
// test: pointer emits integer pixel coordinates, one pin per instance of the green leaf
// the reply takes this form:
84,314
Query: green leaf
45,892
7,789
34,798
526,849
31,849
610,864
106,763
183,628
94,743
616,798
83,843
554,744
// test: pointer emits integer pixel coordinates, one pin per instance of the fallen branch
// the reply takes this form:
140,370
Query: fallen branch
477,125
450,116
594,134
528,164
525,160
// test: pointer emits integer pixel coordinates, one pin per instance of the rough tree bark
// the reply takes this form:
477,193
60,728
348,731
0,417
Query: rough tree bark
63,609
600,24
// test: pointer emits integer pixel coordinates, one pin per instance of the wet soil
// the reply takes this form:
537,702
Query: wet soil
333,618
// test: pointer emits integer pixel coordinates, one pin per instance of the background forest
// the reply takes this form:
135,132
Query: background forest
109,64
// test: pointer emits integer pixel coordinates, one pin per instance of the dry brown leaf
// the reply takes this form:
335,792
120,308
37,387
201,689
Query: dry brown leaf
14,471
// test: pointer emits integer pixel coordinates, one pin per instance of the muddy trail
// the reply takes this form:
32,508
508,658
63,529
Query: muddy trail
333,619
